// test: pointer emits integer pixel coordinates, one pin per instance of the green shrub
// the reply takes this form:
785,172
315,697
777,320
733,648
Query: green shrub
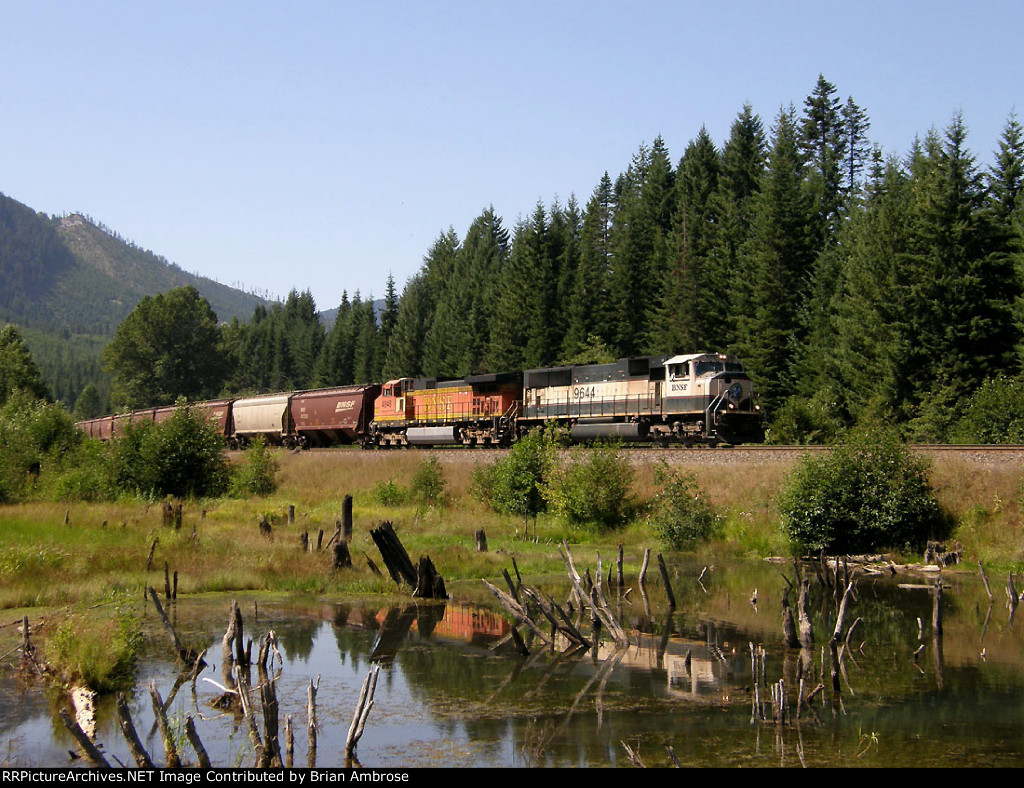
101,655
515,484
994,414
868,493
85,476
184,457
594,489
390,493
681,513
428,484
257,473
33,434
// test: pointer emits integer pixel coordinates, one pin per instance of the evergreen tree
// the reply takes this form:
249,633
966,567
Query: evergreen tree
588,313
640,229
18,371
694,301
856,150
963,284
405,349
781,253
743,165
460,331
821,142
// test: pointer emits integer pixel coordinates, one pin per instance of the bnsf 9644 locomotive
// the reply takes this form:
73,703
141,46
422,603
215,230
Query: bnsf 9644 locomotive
697,398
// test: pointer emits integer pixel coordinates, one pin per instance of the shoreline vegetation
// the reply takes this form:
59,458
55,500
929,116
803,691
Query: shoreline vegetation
58,554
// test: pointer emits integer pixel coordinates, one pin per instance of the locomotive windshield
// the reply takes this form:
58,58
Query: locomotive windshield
704,367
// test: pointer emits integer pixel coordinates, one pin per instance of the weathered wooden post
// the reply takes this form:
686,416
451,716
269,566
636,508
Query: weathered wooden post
618,566
346,518
291,514
304,541
320,540
481,541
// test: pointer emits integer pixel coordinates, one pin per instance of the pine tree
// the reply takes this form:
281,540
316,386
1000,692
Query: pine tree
694,302
856,150
821,142
588,304
405,349
781,253
743,166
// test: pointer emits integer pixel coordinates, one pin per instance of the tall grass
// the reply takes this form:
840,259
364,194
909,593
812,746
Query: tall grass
58,554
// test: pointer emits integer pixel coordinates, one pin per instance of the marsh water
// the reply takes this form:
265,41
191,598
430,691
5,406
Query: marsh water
453,692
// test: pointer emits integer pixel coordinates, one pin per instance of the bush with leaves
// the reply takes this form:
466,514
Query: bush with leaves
257,473
390,493
515,483
868,493
594,489
994,414
184,456
428,484
681,514
35,436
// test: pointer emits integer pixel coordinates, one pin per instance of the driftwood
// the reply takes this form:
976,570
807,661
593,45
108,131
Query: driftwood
789,633
197,744
173,760
186,655
517,611
803,619
85,745
643,567
363,707
311,725
124,718
833,643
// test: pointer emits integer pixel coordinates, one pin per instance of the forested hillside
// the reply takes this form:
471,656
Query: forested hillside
68,282
856,285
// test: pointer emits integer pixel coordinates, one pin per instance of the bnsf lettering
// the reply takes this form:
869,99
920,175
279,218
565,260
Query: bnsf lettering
584,392
680,386
346,405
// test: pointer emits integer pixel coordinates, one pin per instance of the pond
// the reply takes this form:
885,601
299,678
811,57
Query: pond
452,691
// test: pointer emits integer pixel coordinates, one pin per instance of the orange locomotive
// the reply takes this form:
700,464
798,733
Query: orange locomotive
479,410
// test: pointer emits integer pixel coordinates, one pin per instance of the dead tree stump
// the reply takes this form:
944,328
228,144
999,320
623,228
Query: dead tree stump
396,559
346,518
481,541
342,557
430,584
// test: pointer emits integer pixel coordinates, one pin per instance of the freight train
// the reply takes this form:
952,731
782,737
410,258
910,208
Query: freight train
700,398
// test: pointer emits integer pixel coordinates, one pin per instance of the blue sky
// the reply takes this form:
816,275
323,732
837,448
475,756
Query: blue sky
322,145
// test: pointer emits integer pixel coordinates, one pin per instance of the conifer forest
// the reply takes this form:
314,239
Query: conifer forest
857,286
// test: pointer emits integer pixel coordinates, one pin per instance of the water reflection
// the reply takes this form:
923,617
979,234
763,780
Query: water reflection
454,692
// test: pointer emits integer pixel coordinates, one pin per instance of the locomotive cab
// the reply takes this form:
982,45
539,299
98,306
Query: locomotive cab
718,394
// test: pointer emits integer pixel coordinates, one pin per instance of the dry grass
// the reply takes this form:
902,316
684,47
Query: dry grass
104,547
